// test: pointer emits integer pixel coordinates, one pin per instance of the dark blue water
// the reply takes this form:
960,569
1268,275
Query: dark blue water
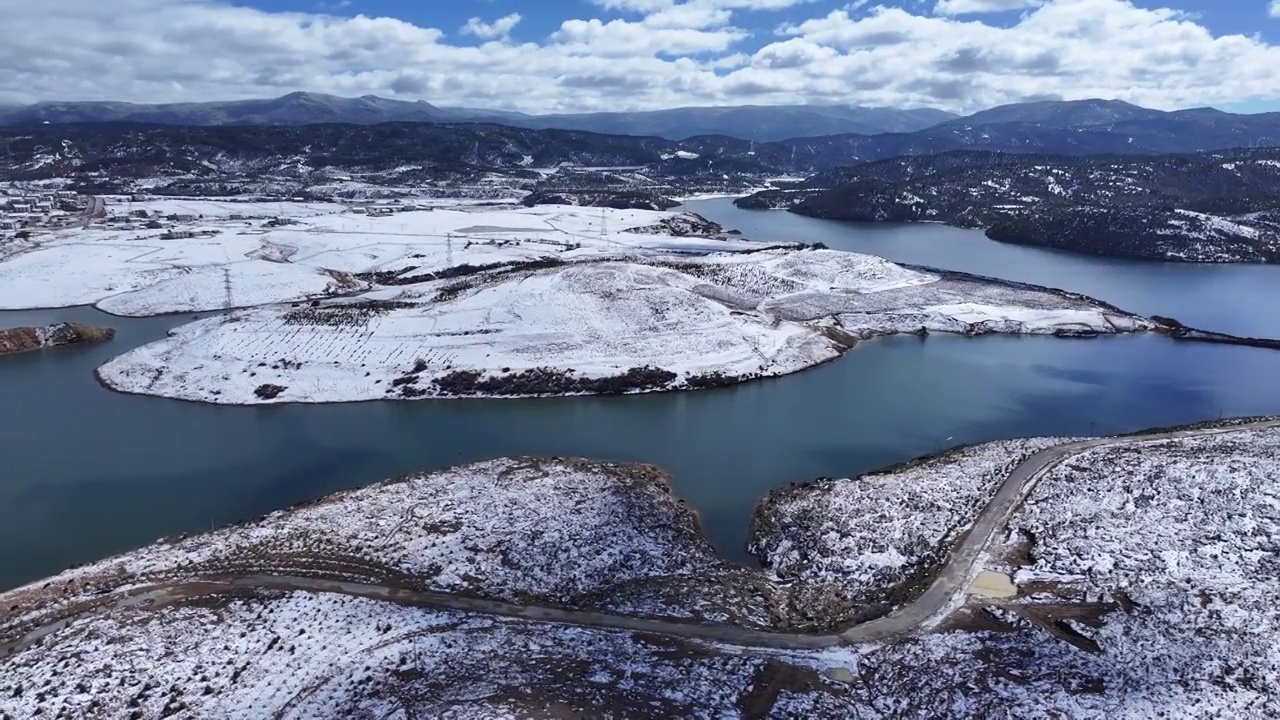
1237,299
87,472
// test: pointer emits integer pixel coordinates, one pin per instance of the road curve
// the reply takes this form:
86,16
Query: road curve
947,588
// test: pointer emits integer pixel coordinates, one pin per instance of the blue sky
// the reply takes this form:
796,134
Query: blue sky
580,55
540,18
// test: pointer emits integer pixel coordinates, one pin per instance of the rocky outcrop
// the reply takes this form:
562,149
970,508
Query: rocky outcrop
27,339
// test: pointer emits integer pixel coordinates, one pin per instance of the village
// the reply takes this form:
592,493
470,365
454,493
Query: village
24,211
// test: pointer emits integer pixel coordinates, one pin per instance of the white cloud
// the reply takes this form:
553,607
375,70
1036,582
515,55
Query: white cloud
662,53
964,7
499,28
619,38
1274,10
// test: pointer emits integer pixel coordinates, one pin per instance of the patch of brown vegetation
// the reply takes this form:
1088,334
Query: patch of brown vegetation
28,339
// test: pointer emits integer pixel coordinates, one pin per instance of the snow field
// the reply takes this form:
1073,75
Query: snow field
728,315
596,320
864,538
85,266
306,656
1186,530
541,531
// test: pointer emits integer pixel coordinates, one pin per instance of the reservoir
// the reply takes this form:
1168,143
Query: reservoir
1236,299
88,472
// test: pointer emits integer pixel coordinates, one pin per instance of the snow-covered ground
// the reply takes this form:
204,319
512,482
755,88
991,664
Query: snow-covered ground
1160,554
653,322
317,657
555,532
135,270
865,545
337,304
1173,540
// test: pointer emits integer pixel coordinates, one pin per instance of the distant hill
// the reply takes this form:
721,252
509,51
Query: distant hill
1060,114
802,138
746,122
749,122
292,109
1207,207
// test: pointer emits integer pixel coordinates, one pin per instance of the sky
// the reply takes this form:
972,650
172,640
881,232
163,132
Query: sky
590,55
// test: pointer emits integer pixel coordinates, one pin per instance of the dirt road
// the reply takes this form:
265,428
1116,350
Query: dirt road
947,589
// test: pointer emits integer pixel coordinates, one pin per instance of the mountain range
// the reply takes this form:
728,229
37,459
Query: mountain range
787,139
746,122
1068,129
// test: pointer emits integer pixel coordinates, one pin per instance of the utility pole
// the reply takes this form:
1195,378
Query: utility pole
448,249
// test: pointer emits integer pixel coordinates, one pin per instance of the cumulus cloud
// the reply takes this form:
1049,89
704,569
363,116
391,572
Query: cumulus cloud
1274,9
965,7
657,53
499,28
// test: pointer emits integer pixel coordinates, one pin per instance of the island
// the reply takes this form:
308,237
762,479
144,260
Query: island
29,339
1219,206
1043,575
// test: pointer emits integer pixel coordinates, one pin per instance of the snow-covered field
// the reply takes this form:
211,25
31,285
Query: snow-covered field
867,544
133,270
654,322
1162,555
335,304
555,532
316,657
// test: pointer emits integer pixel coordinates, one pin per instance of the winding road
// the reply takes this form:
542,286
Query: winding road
947,590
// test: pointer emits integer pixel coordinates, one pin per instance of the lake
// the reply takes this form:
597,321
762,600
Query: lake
1236,299
88,472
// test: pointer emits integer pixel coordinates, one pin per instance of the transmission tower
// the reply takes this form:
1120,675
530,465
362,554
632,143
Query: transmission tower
226,287
604,224
448,245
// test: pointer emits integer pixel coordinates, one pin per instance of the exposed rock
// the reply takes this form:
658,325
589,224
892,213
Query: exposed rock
27,339
267,391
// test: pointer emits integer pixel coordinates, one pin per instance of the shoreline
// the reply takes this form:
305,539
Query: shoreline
985,230
647,474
